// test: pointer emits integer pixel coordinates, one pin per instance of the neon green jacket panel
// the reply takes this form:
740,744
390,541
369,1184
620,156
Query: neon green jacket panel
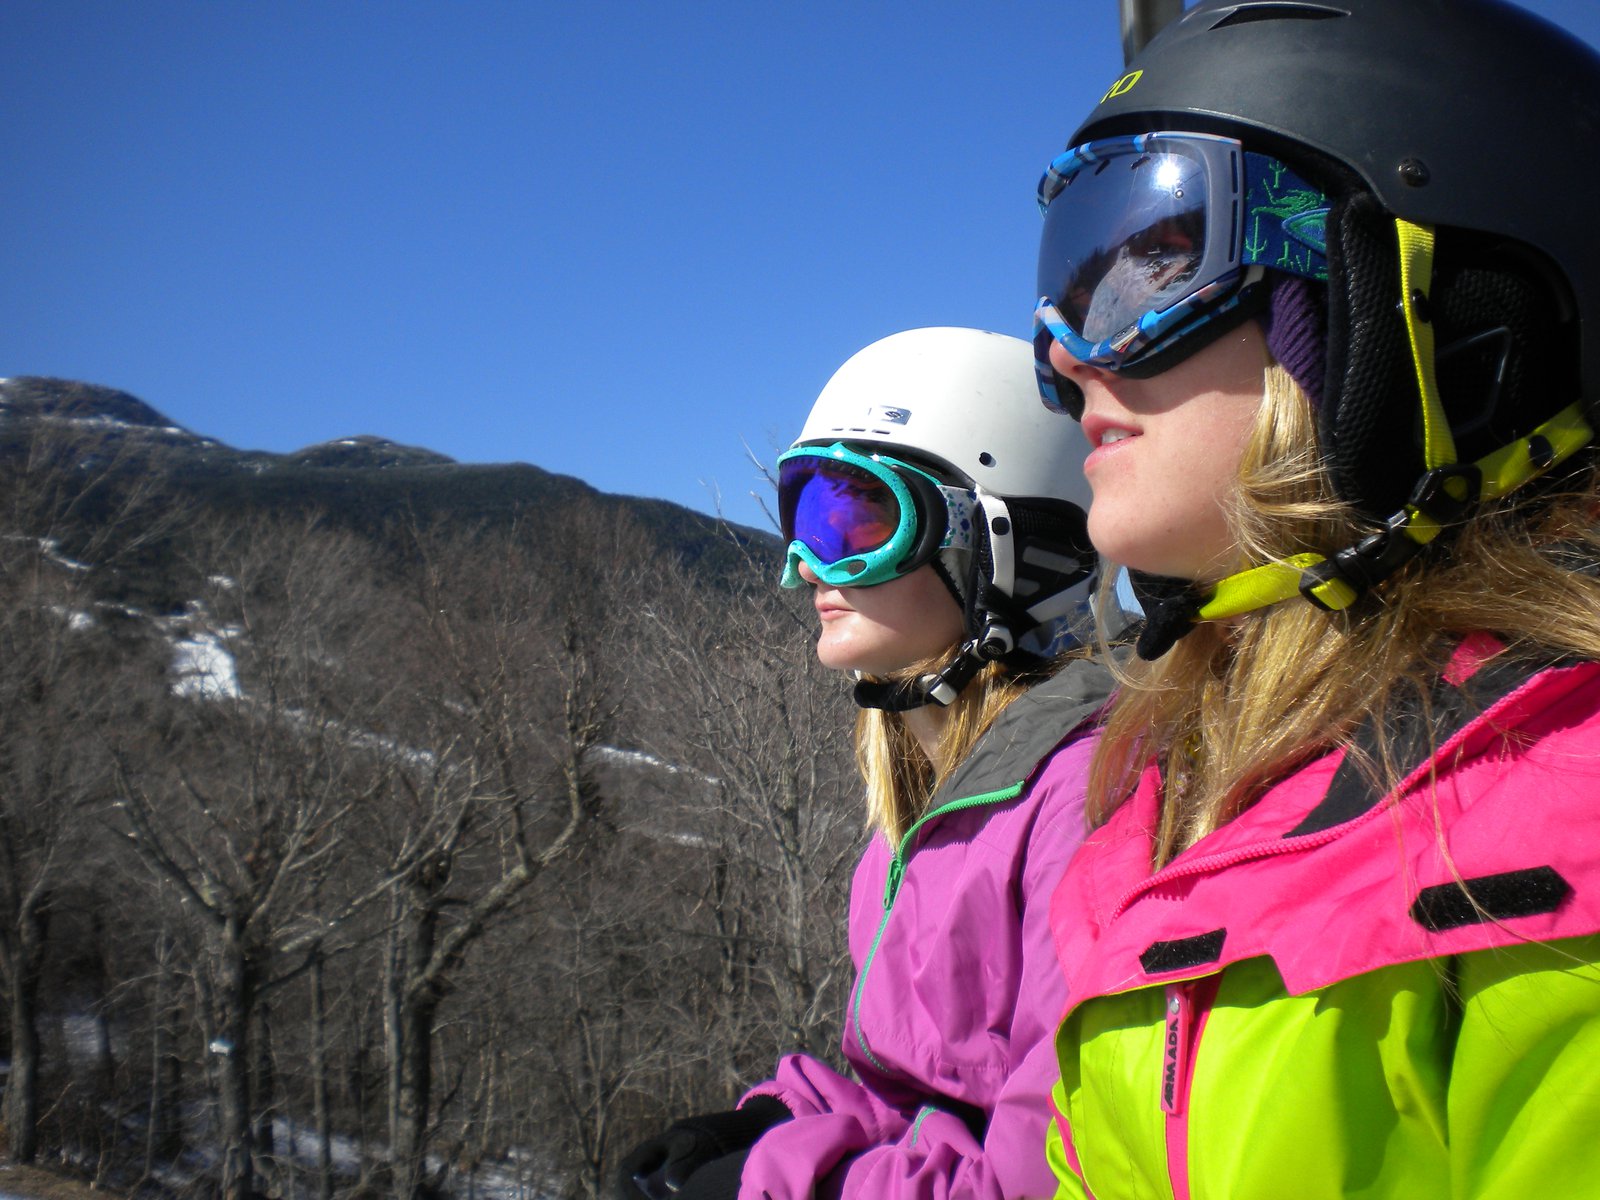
1431,942
1457,1079
1525,1097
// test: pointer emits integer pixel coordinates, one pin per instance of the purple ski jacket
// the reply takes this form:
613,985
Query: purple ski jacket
957,992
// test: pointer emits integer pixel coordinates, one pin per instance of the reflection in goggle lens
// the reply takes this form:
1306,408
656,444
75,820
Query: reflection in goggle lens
835,508
1125,236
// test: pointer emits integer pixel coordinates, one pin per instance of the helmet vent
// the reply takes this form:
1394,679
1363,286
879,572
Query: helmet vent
1279,11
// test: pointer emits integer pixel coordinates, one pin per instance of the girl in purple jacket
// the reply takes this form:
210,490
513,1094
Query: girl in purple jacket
935,508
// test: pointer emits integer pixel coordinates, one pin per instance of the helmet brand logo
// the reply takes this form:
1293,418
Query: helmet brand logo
894,416
1125,84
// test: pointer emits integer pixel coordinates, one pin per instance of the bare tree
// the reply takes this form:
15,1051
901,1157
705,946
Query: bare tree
507,697
582,809
767,731
241,817
590,1036
52,705
69,513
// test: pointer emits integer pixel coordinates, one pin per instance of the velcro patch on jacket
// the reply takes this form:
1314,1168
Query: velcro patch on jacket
1181,954
1524,893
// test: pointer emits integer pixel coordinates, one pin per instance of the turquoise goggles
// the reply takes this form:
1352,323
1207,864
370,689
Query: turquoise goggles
857,520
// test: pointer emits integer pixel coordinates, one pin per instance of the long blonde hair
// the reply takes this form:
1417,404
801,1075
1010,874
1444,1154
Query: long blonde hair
1232,708
900,777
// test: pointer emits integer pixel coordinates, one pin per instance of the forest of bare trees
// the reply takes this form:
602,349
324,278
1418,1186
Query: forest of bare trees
443,863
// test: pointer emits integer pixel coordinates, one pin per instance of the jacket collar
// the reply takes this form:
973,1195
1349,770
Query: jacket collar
1045,716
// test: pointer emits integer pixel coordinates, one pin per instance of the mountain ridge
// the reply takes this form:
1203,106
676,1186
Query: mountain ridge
361,481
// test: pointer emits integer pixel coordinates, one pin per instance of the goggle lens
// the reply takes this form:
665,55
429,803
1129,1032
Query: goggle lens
835,508
1148,237
1125,236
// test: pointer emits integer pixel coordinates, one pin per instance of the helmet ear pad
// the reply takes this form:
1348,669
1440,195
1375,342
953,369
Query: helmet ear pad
1506,352
1370,406
1050,553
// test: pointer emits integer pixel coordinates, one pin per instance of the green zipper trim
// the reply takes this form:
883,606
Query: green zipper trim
897,865
897,870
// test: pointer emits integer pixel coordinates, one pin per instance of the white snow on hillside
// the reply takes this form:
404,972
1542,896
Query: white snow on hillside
203,669
52,552
640,758
77,620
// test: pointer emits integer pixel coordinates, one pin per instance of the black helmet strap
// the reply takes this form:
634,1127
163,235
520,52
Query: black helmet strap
936,687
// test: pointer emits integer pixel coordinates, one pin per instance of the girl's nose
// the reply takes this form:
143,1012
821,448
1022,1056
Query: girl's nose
1066,365
805,572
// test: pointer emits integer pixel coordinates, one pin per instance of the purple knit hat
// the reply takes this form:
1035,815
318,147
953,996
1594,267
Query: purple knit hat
1296,323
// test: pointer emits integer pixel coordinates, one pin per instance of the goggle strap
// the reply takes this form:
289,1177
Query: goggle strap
958,506
1295,238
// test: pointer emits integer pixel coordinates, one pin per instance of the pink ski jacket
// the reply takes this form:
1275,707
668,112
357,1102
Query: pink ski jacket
1341,993
957,989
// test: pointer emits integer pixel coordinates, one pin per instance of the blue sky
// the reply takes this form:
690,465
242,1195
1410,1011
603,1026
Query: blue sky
622,241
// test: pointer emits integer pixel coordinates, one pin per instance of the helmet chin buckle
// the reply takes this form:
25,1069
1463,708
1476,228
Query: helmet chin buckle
1442,497
938,687
995,641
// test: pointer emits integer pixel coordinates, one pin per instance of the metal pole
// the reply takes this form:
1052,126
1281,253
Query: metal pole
1142,20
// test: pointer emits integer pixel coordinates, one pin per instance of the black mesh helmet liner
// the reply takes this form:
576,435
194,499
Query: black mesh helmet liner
1457,114
1369,441
1504,351
1051,552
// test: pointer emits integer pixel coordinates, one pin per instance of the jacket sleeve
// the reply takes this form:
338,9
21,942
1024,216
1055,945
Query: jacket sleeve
864,1143
1524,1100
809,1087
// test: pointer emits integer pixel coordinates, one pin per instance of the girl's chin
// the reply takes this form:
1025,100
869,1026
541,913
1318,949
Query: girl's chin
1168,561
838,659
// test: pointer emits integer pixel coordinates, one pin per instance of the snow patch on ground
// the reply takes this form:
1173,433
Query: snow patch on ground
52,551
203,669
76,619
640,758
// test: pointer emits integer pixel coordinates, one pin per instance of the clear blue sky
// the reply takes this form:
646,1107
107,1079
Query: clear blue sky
619,241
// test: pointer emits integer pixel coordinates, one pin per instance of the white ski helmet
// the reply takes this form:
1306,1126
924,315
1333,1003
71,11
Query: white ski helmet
962,406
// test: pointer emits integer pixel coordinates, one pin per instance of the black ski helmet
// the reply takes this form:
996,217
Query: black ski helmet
1472,117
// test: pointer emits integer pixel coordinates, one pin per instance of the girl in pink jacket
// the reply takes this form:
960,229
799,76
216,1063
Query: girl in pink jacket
934,506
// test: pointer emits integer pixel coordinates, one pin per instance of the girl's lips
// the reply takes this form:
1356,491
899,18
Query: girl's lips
1107,437
1096,428
831,610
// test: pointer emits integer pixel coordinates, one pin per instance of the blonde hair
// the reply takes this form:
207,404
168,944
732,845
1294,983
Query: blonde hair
899,777
1232,708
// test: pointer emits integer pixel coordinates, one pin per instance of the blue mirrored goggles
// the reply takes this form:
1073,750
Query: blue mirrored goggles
1147,238
856,519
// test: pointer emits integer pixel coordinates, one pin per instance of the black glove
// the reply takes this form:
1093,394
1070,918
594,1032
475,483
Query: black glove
660,1166
717,1180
